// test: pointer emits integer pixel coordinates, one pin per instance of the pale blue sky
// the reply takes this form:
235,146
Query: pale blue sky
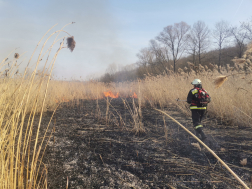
106,31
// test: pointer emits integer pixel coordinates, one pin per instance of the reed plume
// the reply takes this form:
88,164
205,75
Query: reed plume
71,43
16,55
219,81
239,60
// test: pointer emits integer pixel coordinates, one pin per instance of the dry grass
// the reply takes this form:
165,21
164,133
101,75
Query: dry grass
229,96
23,97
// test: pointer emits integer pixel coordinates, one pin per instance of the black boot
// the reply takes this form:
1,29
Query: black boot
203,136
197,133
200,132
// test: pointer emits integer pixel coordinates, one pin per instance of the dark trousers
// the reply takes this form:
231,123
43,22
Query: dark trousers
197,116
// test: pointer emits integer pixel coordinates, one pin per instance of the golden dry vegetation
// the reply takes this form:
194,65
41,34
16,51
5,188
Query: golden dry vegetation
231,101
22,97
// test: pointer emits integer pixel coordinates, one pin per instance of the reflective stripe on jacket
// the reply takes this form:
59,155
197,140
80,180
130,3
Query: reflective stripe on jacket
197,108
194,91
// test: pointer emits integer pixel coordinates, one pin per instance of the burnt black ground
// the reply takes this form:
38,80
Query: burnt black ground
93,154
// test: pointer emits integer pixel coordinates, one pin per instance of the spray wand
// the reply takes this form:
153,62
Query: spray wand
181,100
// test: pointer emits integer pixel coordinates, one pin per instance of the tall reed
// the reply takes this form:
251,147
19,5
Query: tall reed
24,95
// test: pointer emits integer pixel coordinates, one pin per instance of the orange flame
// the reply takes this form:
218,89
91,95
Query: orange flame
65,100
134,95
110,94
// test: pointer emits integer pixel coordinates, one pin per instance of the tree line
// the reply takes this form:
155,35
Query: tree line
181,43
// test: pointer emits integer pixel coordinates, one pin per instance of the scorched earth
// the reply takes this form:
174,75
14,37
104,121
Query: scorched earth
92,149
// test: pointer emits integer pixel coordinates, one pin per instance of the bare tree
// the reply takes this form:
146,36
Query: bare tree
247,26
146,58
240,37
192,47
161,54
221,33
199,36
175,38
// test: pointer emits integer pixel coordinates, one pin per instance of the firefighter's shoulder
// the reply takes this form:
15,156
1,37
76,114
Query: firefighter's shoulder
194,91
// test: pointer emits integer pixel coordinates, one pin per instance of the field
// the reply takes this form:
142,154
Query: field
92,153
89,134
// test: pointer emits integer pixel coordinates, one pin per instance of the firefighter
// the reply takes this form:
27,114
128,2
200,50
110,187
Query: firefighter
198,98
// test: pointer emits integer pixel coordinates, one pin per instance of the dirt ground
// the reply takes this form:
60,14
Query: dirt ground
90,153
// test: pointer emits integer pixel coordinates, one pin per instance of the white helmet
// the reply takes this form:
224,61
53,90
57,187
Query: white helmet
196,82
